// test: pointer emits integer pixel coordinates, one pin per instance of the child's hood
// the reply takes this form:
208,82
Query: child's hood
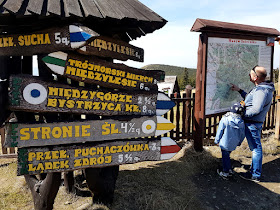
234,119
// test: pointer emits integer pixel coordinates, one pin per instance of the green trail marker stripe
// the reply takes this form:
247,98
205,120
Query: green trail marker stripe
55,61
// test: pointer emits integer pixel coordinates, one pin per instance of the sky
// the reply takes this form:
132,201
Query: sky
174,44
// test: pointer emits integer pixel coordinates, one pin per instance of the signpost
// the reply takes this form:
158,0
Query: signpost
277,98
107,47
35,160
44,134
128,95
96,71
34,95
65,38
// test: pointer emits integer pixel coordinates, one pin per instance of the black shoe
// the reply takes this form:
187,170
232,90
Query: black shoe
248,176
231,172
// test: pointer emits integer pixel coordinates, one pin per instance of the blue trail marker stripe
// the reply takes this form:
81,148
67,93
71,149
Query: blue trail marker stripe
165,104
79,36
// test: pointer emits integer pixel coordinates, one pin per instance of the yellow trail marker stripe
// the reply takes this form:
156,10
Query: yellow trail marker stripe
165,126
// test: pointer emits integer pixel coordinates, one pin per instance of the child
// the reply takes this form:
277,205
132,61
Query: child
230,134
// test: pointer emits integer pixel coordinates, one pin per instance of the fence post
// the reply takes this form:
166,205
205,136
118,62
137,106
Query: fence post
188,109
2,133
178,114
277,125
172,117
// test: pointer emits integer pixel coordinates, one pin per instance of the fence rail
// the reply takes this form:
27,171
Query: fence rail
182,115
184,118
212,121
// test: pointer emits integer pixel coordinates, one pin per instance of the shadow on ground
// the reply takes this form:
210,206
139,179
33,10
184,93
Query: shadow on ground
191,182
217,193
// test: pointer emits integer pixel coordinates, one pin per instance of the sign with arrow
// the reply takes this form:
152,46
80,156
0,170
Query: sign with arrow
54,39
31,94
100,72
107,47
35,160
43,134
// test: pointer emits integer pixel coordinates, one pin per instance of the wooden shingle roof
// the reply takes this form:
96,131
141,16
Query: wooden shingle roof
108,17
203,25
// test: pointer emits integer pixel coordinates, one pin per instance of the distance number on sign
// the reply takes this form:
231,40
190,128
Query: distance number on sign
59,39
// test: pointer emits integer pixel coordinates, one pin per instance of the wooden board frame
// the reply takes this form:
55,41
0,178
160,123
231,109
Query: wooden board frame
59,133
35,160
69,37
107,47
92,70
32,94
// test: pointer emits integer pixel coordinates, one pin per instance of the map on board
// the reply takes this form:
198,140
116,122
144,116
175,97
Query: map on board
229,61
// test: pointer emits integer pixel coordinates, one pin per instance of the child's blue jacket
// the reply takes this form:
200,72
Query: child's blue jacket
231,131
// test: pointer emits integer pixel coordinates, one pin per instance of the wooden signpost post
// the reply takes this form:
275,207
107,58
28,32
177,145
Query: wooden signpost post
44,134
96,71
107,47
35,160
65,38
34,95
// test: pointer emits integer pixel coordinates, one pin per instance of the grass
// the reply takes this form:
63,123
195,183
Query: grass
162,185
13,190
270,146
148,185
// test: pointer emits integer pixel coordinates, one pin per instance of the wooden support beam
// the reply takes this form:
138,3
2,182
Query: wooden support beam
102,182
44,191
199,113
277,125
69,181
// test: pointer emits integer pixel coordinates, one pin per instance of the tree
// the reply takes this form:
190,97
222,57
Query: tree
186,80
183,81
192,82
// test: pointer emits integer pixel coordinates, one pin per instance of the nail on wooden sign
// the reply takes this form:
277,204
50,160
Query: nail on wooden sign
64,38
96,71
112,48
35,160
31,94
44,134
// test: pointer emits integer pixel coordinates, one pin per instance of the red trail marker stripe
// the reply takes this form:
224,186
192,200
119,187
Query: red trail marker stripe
170,149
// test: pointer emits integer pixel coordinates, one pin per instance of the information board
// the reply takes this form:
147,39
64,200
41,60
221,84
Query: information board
230,61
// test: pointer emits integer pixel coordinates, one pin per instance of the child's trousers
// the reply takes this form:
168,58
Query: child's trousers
226,160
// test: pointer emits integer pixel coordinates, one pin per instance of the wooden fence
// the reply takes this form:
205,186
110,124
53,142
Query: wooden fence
212,121
182,115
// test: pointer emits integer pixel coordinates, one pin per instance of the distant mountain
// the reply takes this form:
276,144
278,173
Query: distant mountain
175,71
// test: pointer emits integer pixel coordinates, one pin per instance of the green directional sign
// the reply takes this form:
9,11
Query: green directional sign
35,160
90,69
44,134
